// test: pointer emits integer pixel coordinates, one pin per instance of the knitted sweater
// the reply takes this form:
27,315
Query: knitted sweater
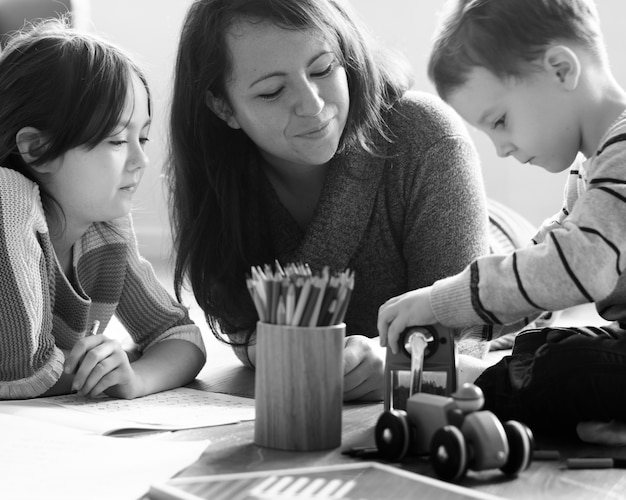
401,220
42,312
578,257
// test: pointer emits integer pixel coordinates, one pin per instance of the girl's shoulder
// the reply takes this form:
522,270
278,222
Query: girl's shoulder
20,200
13,180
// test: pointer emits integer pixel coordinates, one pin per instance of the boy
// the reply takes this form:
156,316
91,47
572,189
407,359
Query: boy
534,76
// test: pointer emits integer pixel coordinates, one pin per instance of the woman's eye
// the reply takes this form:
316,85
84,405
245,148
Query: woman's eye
117,143
271,95
143,141
326,71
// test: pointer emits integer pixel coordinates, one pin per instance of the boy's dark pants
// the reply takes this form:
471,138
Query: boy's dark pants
557,377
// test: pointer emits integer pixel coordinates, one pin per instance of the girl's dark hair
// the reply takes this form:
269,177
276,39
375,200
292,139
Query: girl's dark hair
71,86
505,37
211,199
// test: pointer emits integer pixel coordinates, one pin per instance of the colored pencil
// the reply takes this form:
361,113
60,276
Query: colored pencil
295,295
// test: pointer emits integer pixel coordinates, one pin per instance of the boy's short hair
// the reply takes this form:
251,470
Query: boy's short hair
506,36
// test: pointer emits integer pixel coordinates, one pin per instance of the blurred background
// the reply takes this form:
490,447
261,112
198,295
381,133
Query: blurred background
149,30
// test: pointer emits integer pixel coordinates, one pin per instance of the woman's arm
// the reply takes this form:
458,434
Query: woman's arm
446,224
246,352
363,363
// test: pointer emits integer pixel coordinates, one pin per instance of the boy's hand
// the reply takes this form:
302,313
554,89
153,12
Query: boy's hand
398,313
363,369
100,364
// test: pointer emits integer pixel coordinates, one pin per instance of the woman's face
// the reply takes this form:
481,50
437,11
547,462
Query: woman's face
288,92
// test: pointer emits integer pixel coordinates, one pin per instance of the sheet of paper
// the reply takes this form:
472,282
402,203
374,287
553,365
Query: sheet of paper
41,460
181,408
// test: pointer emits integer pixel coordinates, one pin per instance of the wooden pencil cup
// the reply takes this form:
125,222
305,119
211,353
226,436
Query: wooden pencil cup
299,386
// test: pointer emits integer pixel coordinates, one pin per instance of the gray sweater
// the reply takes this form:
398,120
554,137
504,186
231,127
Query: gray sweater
400,220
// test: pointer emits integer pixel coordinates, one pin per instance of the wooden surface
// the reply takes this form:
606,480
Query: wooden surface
232,448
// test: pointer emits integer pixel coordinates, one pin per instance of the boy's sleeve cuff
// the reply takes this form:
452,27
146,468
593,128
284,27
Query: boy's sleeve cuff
451,301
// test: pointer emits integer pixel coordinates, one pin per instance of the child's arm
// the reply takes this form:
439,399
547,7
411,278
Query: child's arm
398,313
171,346
581,260
165,365
101,365
30,363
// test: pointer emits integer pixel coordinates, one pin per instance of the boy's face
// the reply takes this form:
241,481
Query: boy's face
532,120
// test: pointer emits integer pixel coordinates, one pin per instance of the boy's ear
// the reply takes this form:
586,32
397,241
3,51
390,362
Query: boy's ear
563,63
31,143
220,107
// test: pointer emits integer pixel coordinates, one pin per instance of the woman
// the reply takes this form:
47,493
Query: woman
293,139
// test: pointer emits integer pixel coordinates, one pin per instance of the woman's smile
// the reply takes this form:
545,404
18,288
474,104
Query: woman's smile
316,132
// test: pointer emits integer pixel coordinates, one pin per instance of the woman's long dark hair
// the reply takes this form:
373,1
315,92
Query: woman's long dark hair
216,234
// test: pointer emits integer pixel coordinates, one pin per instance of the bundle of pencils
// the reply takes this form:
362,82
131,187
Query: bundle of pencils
295,296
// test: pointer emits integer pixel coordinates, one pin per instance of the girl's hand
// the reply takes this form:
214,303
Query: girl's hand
398,313
363,368
100,364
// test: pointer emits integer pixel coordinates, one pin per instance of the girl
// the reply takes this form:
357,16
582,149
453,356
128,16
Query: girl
293,139
75,114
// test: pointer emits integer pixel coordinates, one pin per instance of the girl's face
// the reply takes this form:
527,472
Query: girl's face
96,185
288,92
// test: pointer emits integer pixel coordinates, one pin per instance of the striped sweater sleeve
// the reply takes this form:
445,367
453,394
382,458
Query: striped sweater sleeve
29,361
581,258
145,307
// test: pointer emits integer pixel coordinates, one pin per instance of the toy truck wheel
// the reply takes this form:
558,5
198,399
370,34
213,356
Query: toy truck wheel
393,435
448,453
521,445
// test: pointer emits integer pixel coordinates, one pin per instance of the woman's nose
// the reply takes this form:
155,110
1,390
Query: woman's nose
309,102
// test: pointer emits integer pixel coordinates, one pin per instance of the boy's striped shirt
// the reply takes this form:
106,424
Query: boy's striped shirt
576,257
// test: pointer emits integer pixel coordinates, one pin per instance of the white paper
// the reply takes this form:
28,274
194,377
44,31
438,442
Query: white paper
41,460
180,408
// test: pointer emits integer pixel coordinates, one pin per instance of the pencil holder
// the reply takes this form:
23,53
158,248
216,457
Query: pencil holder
299,386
